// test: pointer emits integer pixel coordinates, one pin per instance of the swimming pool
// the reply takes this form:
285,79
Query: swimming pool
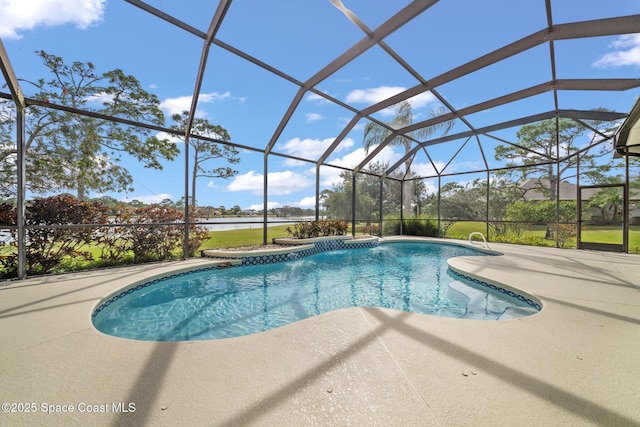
408,276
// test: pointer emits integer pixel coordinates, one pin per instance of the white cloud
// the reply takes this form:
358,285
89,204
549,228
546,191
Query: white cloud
286,182
330,176
374,95
212,97
421,100
292,163
176,105
21,15
250,181
183,103
626,52
312,117
170,137
307,202
355,157
100,98
314,97
426,169
312,149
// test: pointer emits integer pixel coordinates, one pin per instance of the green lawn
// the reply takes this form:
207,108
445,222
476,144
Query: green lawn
535,235
634,238
602,234
242,237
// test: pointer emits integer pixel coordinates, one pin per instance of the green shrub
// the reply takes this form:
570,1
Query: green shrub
411,227
150,241
67,247
565,233
373,229
46,246
419,227
311,229
391,227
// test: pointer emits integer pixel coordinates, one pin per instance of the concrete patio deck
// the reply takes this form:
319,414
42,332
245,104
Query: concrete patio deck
575,363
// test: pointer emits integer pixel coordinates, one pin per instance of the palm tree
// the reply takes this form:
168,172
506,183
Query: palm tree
375,134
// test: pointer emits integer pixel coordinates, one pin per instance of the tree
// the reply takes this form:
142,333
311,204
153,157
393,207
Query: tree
542,145
538,146
166,203
338,200
421,198
464,202
70,151
111,203
204,150
610,202
375,134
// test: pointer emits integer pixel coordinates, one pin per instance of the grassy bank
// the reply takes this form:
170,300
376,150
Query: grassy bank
242,237
536,233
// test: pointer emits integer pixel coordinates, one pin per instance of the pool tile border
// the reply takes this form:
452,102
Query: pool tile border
499,289
321,246
104,304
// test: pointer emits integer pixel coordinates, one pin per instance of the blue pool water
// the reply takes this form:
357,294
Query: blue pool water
244,300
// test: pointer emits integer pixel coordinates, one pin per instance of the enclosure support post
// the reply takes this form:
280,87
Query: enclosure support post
401,207
20,219
625,207
265,199
317,192
557,203
21,107
578,207
558,177
487,210
439,225
185,239
353,204
216,21
380,206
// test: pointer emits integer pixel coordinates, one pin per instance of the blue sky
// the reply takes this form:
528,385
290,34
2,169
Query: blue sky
300,38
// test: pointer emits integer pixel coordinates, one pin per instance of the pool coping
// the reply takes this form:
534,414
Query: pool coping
574,363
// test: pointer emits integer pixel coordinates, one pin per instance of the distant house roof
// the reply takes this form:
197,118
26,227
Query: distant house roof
538,189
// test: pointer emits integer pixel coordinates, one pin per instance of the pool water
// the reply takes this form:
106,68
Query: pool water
238,301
